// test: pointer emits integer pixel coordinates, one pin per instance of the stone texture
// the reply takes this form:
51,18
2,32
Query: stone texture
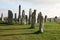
45,20
41,24
34,16
38,18
23,17
10,17
50,20
55,19
33,20
19,16
26,17
15,17
30,14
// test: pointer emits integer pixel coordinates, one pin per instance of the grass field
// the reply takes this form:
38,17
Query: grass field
22,32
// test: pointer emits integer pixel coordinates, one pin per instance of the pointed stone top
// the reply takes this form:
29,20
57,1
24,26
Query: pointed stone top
23,10
34,9
9,11
19,5
45,15
30,9
40,14
55,16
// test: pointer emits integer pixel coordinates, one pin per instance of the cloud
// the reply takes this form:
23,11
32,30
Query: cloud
8,0
48,7
47,2
44,2
35,2
4,11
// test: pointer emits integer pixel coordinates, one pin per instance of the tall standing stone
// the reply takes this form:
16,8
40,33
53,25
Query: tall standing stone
26,18
45,20
2,18
32,21
41,23
55,19
10,17
23,17
19,16
50,20
15,17
30,13
34,16
38,18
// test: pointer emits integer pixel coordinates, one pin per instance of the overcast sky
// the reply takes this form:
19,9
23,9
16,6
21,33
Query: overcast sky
51,8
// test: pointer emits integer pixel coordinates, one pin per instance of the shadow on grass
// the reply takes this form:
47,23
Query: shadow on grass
19,34
15,29
16,34
5,24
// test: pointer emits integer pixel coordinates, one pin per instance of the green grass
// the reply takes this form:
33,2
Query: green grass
22,32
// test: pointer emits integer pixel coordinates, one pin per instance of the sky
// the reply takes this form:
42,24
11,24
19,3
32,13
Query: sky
51,8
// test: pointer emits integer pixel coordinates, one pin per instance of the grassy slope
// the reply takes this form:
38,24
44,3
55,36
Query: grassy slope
21,32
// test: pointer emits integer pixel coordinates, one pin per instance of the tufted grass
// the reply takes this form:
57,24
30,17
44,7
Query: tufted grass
22,32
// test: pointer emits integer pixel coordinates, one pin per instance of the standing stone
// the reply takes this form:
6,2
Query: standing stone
50,20
10,17
19,16
38,18
23,17
34,16
30,13
41,23
55,19
2,18
26,18
15,17
45,20
33,20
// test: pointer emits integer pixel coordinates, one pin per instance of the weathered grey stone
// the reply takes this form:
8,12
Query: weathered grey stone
38,18
34,16
41,24
55,19
2,18
33,20
50,20
23,17
26,17
15,17
19,16
30,14
45,20
10,17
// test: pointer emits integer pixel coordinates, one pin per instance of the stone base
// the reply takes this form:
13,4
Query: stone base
38,32
31,27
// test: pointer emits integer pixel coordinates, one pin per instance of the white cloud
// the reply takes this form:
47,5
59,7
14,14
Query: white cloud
8,0
43,2
48,7
4,11
46,1
34,2
52,11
